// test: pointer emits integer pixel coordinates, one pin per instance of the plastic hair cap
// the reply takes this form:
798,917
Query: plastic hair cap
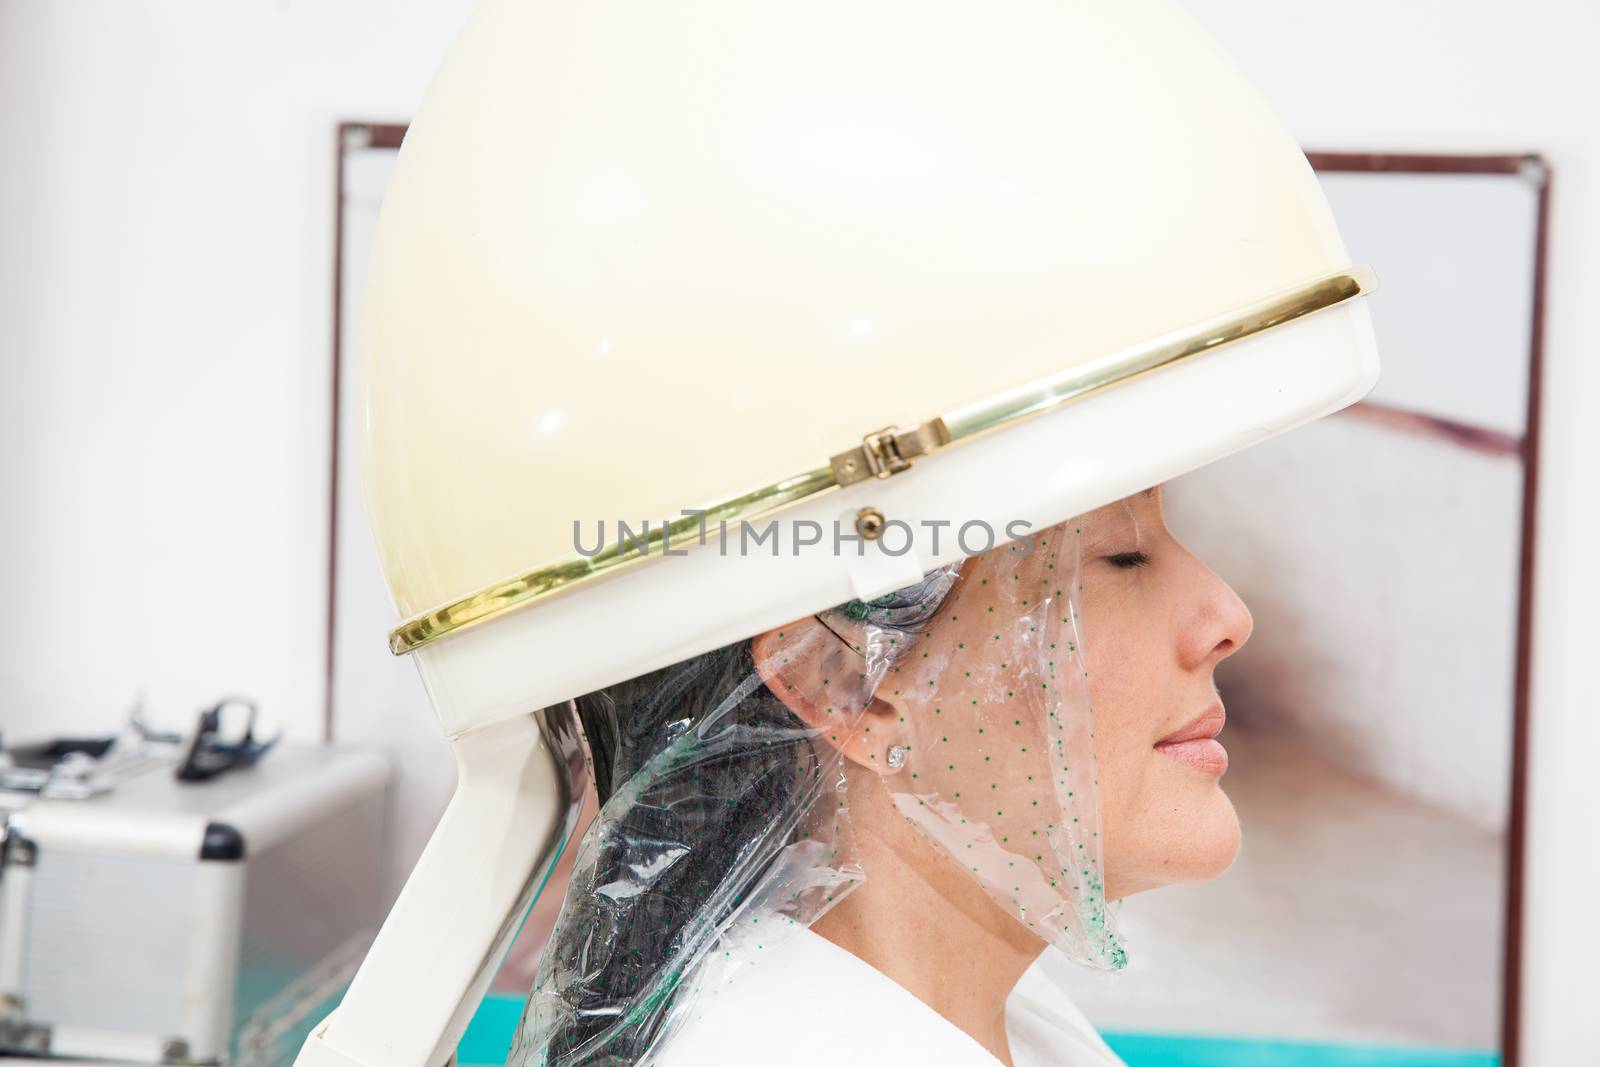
639,258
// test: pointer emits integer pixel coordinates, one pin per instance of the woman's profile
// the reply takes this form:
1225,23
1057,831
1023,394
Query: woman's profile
868,824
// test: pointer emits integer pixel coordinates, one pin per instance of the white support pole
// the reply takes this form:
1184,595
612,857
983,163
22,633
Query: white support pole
515,804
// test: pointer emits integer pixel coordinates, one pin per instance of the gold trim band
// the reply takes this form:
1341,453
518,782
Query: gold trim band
888,452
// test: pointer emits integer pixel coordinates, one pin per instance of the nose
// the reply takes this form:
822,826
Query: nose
1214,623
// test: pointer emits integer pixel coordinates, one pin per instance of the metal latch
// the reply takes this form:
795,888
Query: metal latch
887,451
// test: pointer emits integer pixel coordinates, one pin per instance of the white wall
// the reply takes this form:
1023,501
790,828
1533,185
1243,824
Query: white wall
166,199
165,232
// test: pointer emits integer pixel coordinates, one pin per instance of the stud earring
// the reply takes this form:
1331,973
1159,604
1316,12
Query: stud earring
897,757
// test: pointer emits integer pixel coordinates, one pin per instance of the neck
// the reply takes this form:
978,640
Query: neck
917,912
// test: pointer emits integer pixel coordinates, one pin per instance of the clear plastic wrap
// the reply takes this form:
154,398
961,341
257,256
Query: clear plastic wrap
990,750
724,821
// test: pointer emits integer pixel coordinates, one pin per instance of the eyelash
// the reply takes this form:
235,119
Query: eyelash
1129,560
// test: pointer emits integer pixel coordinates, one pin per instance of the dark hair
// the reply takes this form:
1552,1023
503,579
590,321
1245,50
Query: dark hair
678,854
728,774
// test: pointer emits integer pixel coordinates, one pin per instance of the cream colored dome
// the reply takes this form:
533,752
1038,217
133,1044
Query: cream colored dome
639,257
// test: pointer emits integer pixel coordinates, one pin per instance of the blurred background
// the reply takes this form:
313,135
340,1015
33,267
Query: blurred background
187,194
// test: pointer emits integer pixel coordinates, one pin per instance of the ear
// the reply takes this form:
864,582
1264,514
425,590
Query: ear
824,682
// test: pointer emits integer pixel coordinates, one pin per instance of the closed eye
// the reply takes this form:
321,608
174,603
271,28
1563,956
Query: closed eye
1128,560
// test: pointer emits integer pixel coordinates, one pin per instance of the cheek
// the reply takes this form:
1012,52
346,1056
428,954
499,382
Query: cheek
1139,796
1162,823
1126,694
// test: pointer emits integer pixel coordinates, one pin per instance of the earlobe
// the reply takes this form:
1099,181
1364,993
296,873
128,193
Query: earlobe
825,683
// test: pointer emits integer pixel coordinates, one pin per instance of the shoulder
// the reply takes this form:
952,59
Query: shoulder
805,1001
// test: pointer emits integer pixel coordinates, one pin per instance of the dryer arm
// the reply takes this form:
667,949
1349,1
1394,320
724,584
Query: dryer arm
519,789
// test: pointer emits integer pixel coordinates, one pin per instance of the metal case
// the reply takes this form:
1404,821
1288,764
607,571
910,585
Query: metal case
167,922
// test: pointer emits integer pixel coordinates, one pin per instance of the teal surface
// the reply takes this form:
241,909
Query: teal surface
488,1041
1177,1050
488,1036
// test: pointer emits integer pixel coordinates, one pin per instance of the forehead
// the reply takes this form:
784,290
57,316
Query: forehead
1144,502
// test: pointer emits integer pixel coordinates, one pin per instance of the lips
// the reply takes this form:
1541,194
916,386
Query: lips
1196,744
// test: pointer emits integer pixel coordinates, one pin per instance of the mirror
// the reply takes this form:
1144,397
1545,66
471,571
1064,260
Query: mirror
1376,716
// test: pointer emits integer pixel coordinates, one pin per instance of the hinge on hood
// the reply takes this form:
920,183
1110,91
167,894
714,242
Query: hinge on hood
887,451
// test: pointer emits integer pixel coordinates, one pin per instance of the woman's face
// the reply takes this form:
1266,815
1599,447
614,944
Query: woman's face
1156,622
991,689
990,702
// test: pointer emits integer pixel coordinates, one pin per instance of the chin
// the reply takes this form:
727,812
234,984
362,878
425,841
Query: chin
1209,843
1194,839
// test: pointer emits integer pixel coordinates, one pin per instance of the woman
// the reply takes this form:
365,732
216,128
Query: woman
919,780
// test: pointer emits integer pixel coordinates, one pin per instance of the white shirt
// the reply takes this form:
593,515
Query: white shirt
806,1002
